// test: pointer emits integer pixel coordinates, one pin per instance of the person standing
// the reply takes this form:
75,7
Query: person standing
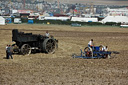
9,52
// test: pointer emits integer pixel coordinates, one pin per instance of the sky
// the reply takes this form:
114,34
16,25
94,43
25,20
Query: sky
105,2
95,2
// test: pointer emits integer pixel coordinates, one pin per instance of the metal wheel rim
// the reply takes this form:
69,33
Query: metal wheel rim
50,46
26,49
88,49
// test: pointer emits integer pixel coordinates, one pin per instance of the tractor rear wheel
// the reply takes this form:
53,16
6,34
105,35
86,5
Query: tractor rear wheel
26,49
88,51
49,45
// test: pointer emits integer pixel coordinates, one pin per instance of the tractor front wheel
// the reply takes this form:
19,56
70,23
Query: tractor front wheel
26,49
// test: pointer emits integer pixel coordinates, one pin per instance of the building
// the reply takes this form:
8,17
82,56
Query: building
118,12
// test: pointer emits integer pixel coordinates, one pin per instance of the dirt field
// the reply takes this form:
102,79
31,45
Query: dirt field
60,68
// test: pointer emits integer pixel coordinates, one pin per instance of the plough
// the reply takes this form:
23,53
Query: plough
95,52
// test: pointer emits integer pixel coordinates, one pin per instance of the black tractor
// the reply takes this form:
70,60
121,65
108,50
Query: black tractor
25,43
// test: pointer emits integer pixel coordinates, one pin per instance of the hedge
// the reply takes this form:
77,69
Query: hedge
68,22
112,23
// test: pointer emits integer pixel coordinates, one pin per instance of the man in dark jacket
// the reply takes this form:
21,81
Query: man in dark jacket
9,52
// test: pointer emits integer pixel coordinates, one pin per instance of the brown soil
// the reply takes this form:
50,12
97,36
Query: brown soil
60,68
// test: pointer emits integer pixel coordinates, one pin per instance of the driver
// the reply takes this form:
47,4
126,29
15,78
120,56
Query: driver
91,44
47,34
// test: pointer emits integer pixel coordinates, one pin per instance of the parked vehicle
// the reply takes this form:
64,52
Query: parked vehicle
17,21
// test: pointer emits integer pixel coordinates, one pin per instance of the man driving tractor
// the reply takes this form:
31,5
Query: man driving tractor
91,44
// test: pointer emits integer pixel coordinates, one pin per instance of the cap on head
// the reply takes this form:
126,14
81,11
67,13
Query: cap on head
91,39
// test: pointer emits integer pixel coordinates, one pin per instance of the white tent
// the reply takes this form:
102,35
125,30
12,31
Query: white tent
117,19
54,18
2,21
83,19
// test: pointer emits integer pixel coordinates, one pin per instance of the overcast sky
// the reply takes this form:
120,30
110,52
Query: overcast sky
112,2
104,2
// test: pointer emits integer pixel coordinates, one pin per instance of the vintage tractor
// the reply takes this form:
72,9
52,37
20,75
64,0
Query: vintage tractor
95,52
25,43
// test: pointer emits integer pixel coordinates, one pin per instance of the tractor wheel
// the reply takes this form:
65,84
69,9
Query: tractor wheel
49,45
88,51
25,49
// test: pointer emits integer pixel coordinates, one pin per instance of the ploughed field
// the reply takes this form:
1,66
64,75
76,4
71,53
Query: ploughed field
60,68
